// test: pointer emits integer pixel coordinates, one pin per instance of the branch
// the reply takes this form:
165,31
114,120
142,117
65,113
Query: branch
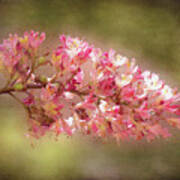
28,86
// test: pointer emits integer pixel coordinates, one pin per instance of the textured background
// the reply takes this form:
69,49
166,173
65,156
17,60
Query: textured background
148,30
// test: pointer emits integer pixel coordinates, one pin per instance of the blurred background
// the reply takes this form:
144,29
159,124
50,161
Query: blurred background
148,30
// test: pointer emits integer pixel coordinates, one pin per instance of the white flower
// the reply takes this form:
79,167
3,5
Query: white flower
152,81
68,95
134,70
130,126
95,54
73,47
166,92
146,75
100,75
79,104
70,121
120,61
123,80
93,57
103,106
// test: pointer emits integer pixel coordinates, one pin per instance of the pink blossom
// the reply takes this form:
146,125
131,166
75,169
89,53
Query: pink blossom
100,93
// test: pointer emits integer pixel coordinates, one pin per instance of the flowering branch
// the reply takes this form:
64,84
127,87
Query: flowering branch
95,92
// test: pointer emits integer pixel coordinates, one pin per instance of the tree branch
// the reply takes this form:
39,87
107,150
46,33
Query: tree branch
28,86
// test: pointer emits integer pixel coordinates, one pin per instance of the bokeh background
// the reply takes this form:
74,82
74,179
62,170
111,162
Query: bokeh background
148,30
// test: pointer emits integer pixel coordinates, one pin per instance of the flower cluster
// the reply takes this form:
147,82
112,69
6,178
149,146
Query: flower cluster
100,93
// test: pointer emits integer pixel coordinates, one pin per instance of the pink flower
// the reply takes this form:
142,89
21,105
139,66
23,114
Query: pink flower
107,85
100,93
29,100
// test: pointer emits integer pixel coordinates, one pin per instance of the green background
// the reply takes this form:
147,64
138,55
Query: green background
148,30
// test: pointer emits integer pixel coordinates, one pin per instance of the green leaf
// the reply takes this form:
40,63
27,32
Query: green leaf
18,86
41,60
43,79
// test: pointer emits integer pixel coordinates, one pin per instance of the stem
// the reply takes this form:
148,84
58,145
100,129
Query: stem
28,86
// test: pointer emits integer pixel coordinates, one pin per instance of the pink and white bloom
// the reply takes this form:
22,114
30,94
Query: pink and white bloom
100,93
